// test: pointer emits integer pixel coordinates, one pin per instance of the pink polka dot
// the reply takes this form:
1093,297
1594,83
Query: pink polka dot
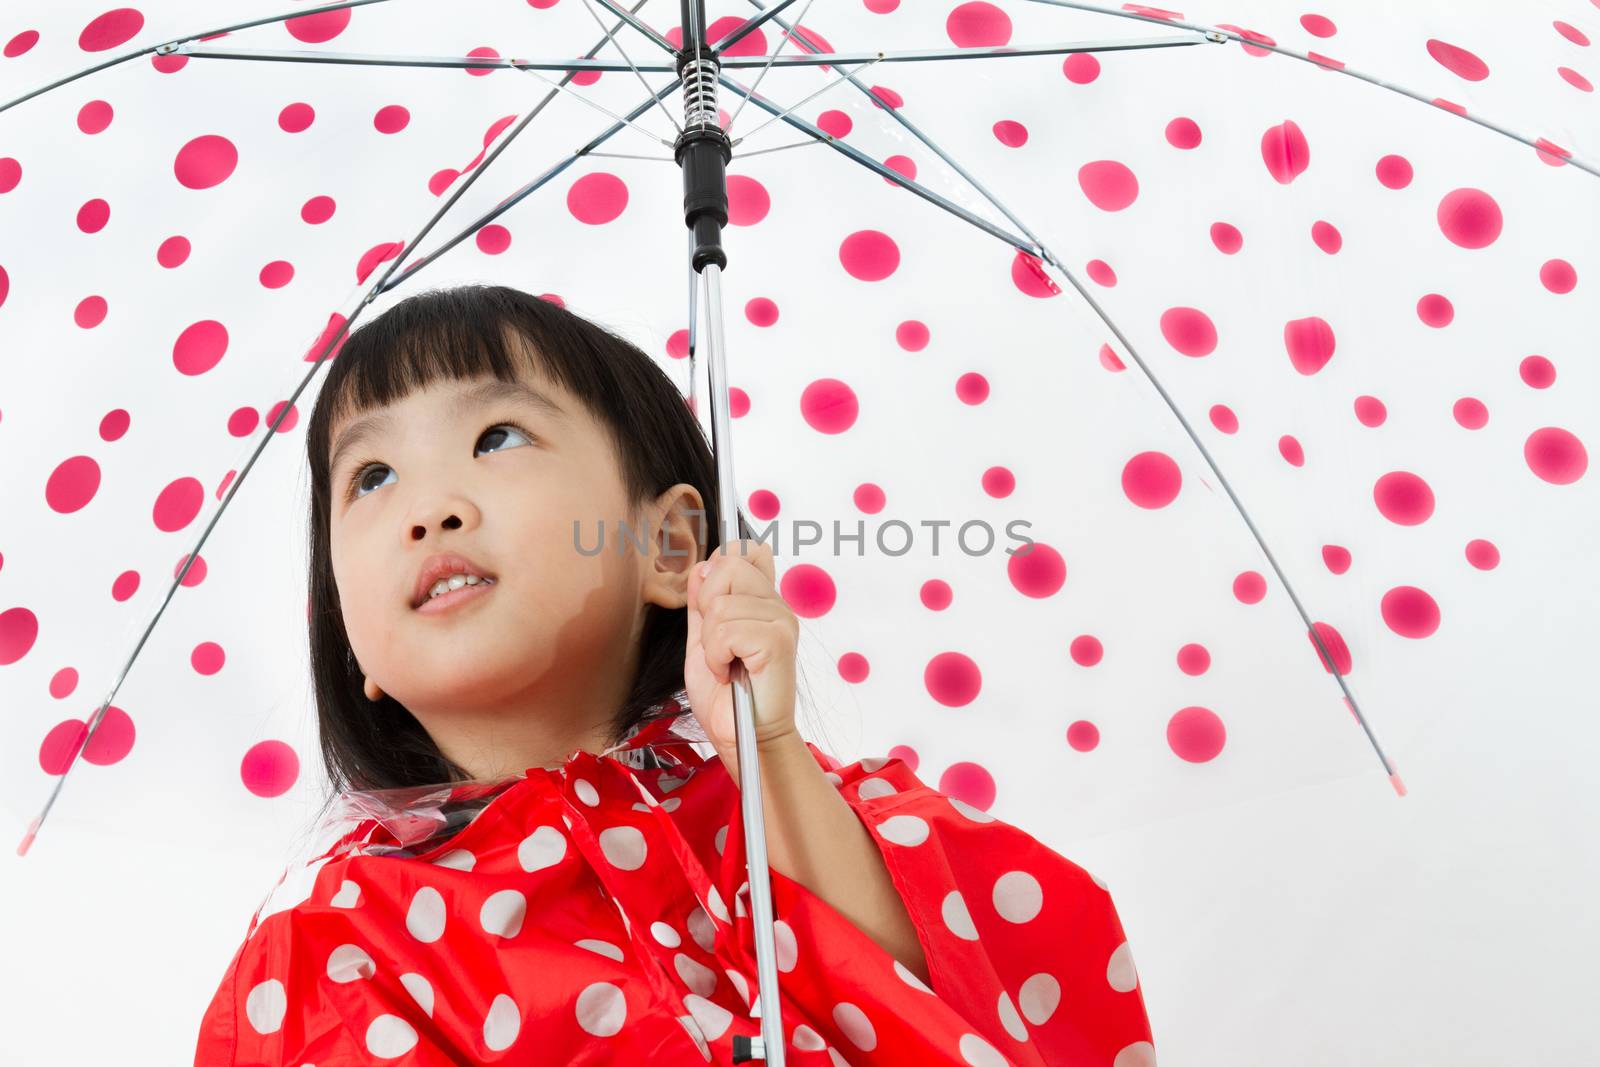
869,498
484,52
835,124
10,174
1036,570
277,274
1550,153
1576,80
1334,642
114,424
1083,736
952,679
829,406
1318,25
205,162
1100,273
972,388
999,482
905,754
1183,133
296,118
168,64
808,590
748,201
19,629
289,420
1310,343
269,768
1109,185
1194,659
869,255
764,504
1410,612
63,683
905,166
391,119
1470,218
315,29
1028,275
1571,33
317,210
72,484
178,504
1290,449
196,573
200,347
126,584
935,594
1226,237
90,312
678,344
1086,650
1537,372
1370,411
1394,172
117,26
1558,276
1403,498
853,667
1081,68
1196,735
1011,134
1483,554
174,252
1151,480
911,335
1223,418
751,44
1326,237
1435,310
1458,61
207,657
1110,360
1285,152
1470,413
1189,330
1555,455
882,96
94,117
978,25
881,7
1336,558
761,311
112,739
20,44
93,216
1249,587
598,198
968,783
738,402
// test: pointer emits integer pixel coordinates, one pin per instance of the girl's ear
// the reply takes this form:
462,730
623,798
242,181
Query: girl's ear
678,544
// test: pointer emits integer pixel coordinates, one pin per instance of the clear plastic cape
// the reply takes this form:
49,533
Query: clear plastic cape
413,820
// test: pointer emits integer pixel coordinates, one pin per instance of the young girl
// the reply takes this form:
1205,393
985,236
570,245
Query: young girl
533,861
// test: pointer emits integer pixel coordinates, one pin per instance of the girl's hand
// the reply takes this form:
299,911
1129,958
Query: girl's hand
735,611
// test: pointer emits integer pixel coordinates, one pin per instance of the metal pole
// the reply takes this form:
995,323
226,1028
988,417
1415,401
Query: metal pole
703,151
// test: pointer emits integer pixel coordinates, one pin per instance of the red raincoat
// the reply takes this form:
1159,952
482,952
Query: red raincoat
598,912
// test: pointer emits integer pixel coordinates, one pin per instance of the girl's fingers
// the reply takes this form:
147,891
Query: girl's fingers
732,575
754,641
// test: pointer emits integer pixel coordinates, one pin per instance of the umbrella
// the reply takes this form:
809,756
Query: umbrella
1259,336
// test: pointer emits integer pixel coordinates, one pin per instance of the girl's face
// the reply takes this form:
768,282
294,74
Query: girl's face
486,470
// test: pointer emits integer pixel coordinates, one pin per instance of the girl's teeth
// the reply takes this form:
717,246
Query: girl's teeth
456,581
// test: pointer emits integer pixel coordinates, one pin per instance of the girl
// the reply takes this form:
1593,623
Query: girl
534,860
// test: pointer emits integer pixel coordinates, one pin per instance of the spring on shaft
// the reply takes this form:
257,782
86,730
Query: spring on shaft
700,92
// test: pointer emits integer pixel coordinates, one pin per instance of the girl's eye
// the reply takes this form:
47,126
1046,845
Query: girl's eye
358,480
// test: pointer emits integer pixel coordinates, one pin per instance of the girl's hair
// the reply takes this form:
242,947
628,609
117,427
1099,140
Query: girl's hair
462,333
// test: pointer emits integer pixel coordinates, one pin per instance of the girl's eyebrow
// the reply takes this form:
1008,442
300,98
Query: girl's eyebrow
465,400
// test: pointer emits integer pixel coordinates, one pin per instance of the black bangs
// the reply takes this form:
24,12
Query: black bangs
465,333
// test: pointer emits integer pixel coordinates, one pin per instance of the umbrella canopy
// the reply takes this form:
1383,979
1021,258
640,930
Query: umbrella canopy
1276,365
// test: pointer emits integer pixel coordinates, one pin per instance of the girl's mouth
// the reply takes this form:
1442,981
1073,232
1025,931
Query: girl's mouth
455,598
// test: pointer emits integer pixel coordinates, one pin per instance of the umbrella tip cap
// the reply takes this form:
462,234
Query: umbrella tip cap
27,839
1399,786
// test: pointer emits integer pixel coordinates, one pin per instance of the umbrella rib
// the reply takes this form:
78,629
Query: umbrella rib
749,25
587,6
1221,35
1049,256
831,83
375,59
816,59
631,19
376,289
168,47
